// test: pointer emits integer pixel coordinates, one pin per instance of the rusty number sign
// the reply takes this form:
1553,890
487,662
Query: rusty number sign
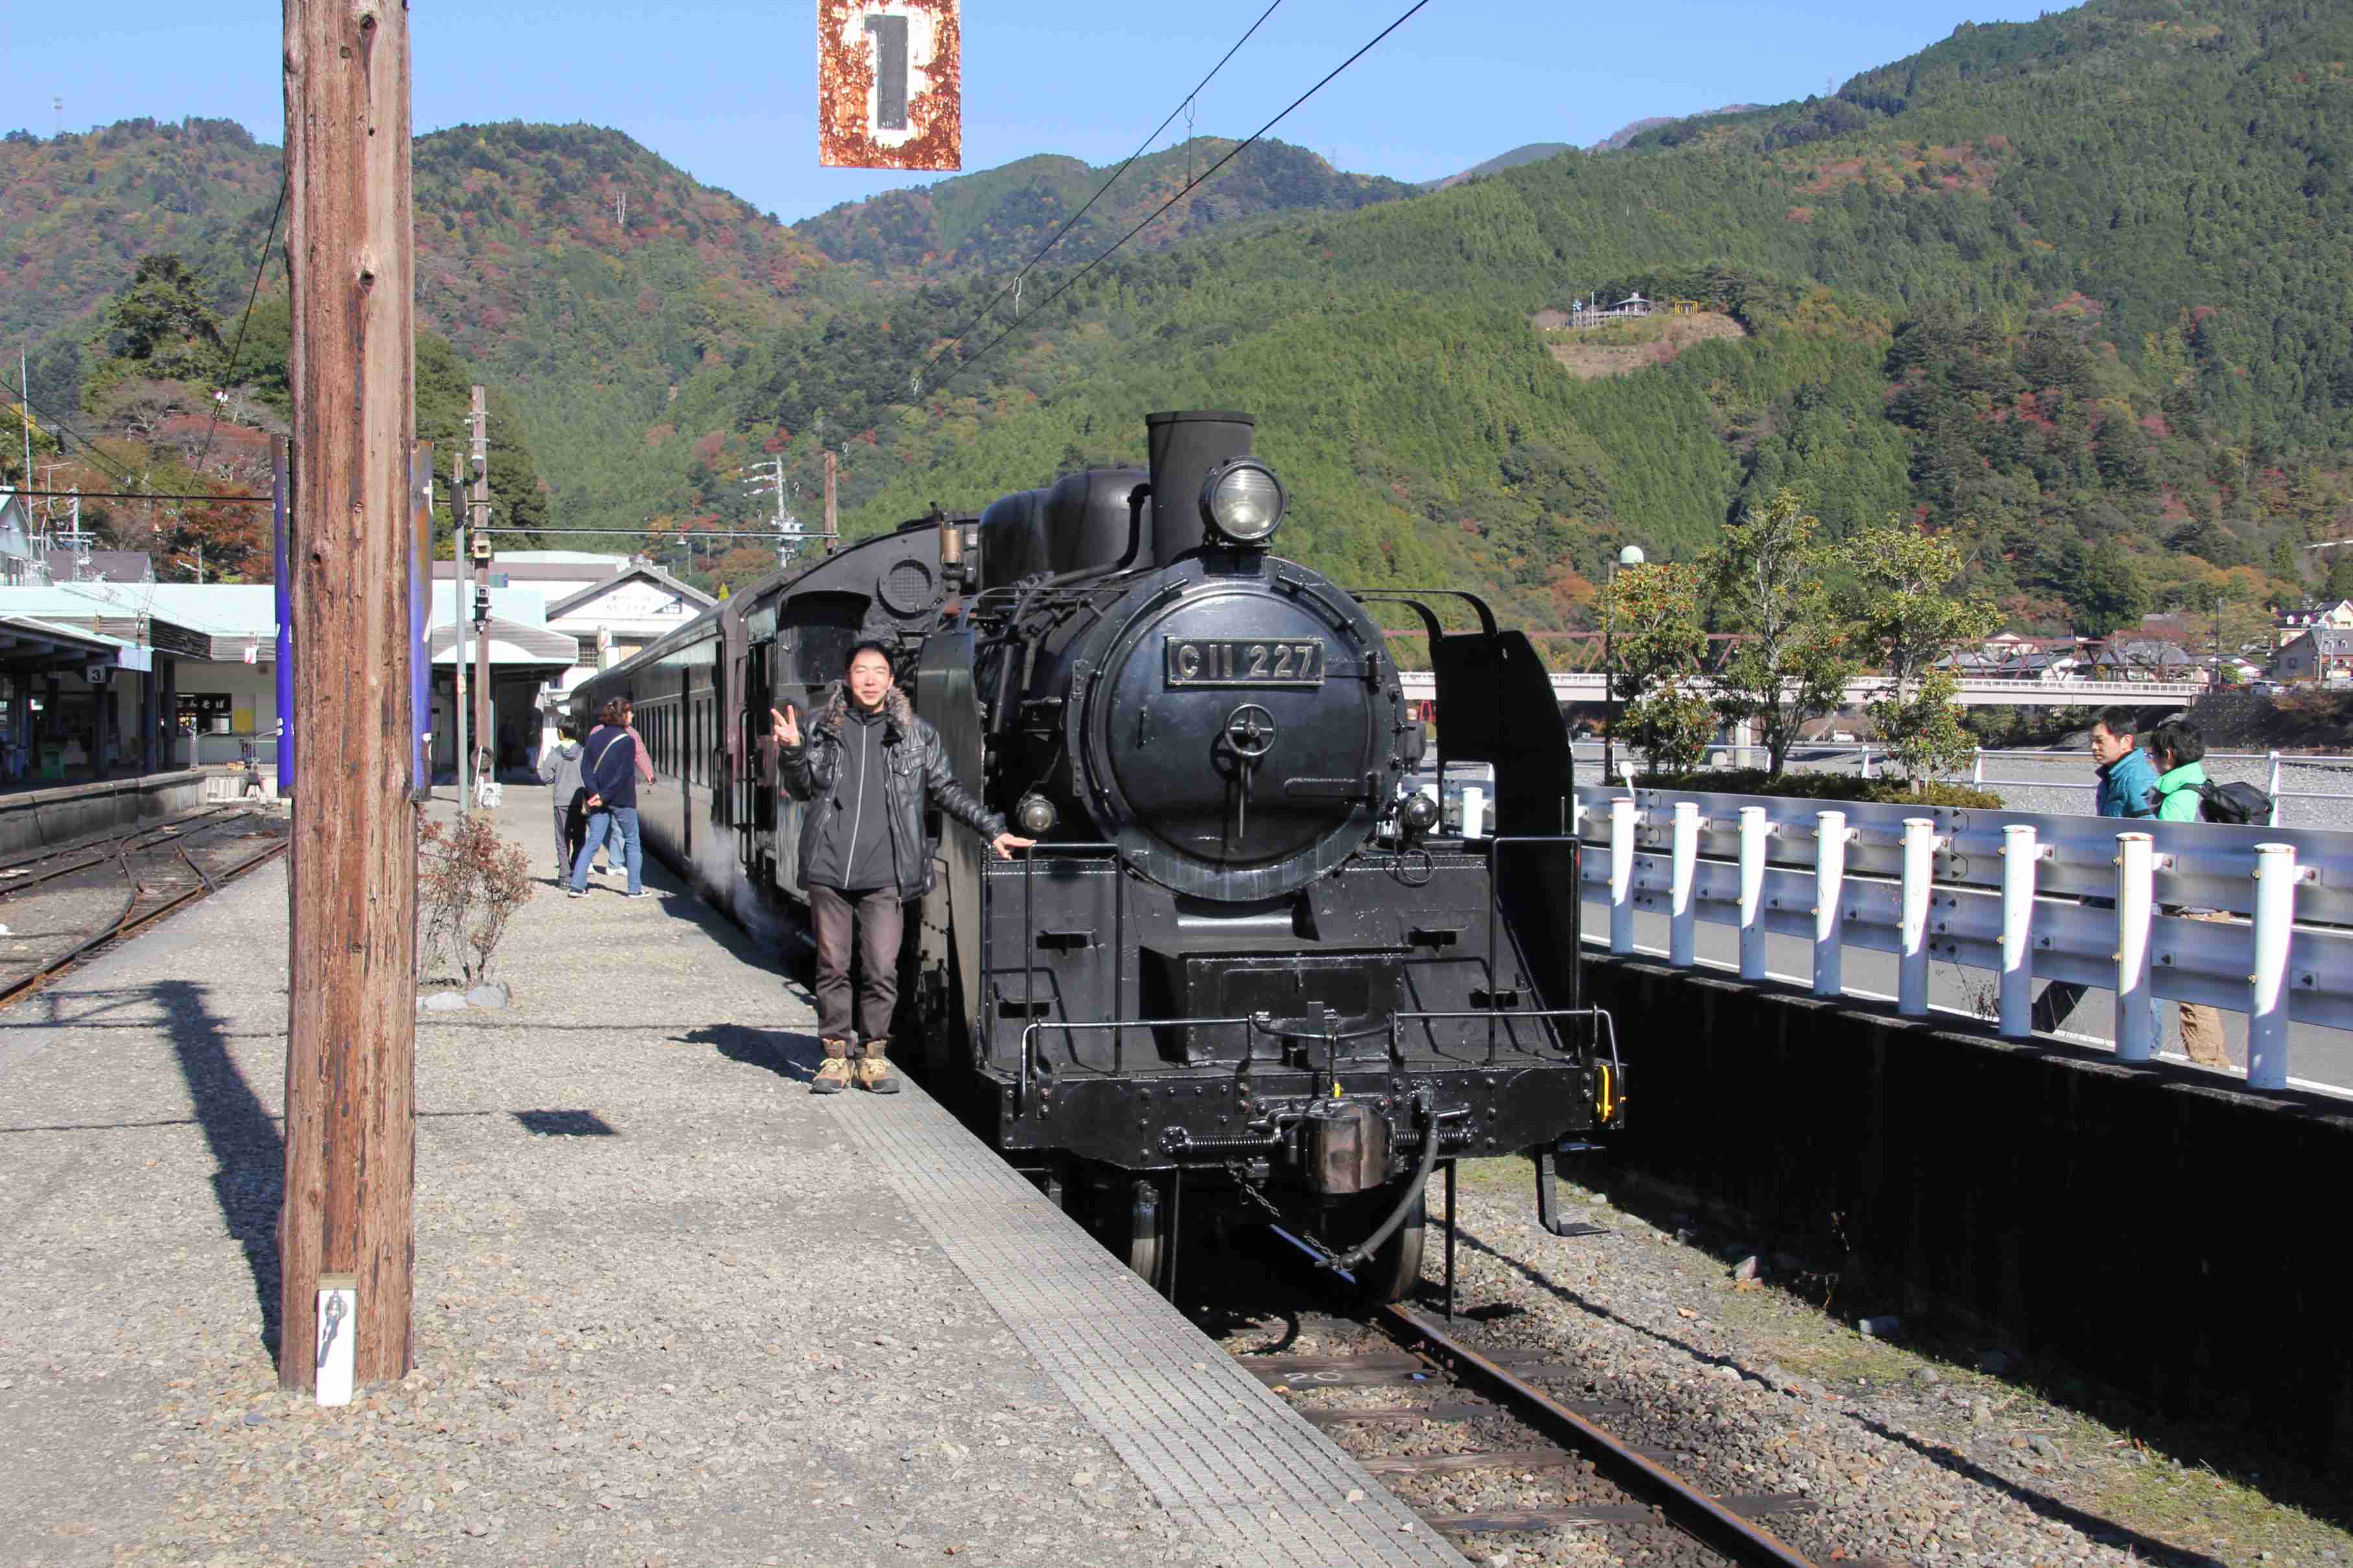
889,84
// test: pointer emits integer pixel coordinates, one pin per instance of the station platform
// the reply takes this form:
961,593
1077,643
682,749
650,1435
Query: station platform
671,1308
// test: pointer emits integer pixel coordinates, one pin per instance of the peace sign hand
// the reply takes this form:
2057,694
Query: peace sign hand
784,727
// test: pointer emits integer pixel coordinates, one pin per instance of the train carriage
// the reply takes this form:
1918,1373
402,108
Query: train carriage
1241,977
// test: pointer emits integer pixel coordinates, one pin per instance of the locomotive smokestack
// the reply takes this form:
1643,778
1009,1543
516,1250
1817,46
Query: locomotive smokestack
1184,447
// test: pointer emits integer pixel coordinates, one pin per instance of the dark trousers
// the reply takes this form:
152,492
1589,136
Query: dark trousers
877,920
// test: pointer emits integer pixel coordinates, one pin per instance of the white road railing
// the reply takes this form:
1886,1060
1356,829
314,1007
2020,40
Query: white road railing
1995,889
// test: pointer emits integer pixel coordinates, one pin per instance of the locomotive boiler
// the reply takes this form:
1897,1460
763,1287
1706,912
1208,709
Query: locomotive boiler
1241,977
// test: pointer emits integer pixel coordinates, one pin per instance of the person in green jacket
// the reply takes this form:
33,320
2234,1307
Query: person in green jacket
2179,753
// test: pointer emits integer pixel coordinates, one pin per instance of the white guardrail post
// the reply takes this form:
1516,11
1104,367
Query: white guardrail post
1830,872
1753,831
2275,880
1976,765
1912,960
1621,875
2136,877
1683,923
2020,860
2273,786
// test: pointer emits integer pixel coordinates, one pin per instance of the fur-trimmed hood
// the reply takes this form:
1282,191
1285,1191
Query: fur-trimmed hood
898,716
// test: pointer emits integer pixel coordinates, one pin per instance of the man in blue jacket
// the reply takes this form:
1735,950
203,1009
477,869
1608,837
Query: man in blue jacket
609,769
2127,787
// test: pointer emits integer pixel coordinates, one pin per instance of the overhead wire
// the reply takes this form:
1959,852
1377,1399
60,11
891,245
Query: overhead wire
1013,284
98,458
1189,186
252,294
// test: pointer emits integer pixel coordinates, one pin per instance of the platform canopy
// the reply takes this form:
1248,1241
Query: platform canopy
30,644
515,649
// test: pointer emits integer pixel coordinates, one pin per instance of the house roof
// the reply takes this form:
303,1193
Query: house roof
112,565
651,573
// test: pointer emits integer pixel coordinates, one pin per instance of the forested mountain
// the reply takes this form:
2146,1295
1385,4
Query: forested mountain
997,219
2074,290
77,211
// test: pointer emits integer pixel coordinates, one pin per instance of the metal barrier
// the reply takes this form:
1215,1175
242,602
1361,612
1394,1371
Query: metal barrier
1744,754
1969,886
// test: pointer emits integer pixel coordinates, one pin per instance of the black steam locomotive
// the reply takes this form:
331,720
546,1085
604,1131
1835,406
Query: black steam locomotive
1241,977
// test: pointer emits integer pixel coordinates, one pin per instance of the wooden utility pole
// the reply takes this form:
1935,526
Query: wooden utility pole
481,511
351,1068
458,703
832,515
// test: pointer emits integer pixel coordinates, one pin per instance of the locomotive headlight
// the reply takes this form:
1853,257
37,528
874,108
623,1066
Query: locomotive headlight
1420,812
1034,816
1242,500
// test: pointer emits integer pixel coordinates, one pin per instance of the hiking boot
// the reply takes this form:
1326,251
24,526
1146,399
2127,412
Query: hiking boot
874,1074
834,1076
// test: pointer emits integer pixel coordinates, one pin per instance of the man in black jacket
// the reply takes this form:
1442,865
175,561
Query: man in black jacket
865,771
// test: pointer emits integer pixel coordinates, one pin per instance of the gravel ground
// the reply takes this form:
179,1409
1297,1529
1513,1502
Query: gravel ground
1913,1456
665,1312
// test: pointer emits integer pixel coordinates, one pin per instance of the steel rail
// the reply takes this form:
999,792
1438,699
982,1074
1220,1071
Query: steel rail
1683,1504
125,925
51,852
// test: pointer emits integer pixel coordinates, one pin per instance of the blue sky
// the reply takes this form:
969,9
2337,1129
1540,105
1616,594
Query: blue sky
727,91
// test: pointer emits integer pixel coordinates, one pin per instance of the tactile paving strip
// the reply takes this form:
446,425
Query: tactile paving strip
1211,1444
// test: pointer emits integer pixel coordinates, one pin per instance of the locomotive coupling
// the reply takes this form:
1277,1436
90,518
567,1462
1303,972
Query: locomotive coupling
1345,1145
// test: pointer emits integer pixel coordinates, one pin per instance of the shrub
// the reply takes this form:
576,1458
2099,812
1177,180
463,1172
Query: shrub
1828,786
469,882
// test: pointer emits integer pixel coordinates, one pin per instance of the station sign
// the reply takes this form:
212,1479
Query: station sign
889,84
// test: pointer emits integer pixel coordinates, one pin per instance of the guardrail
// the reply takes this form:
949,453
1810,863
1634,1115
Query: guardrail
1967,886
1734,754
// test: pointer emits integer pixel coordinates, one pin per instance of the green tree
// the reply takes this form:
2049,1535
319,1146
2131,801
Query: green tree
2340,575
2102,588
161,319
1907,612
1793,664
1656,641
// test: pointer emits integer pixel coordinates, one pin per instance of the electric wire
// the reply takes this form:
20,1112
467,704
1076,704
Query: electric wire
1240,148
1015,281
98,458
135,495
252,294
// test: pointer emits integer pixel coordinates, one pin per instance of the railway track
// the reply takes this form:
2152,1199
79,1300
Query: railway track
61,905
1502,1449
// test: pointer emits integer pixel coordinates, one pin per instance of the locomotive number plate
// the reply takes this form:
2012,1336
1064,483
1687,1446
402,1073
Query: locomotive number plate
1219,661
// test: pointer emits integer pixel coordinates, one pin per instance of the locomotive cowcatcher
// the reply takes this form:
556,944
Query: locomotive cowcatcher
1241,977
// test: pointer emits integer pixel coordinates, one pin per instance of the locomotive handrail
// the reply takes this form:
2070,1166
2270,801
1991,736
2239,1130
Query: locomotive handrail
1495,908
1609,1024
1029,947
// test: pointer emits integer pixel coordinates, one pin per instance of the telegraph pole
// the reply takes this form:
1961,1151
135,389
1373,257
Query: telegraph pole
480,508
457,628
347,1223
832,515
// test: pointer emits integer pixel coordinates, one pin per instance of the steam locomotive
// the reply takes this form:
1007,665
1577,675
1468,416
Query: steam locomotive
1241,977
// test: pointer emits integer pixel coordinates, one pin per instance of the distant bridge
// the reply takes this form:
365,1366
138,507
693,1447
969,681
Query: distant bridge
1588,686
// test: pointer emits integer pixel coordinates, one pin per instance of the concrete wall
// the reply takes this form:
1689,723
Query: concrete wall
34,819
2156,1225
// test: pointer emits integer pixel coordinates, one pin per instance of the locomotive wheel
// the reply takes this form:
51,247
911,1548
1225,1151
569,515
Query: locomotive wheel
1393,1272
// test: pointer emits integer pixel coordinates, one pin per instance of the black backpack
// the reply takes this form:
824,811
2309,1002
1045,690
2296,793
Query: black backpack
2239,805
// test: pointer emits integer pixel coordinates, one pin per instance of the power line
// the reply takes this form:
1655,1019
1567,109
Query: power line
251,295
1241,147
98,458
1012,286
135,495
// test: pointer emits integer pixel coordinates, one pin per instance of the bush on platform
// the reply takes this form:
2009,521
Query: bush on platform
1825,787
469,883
